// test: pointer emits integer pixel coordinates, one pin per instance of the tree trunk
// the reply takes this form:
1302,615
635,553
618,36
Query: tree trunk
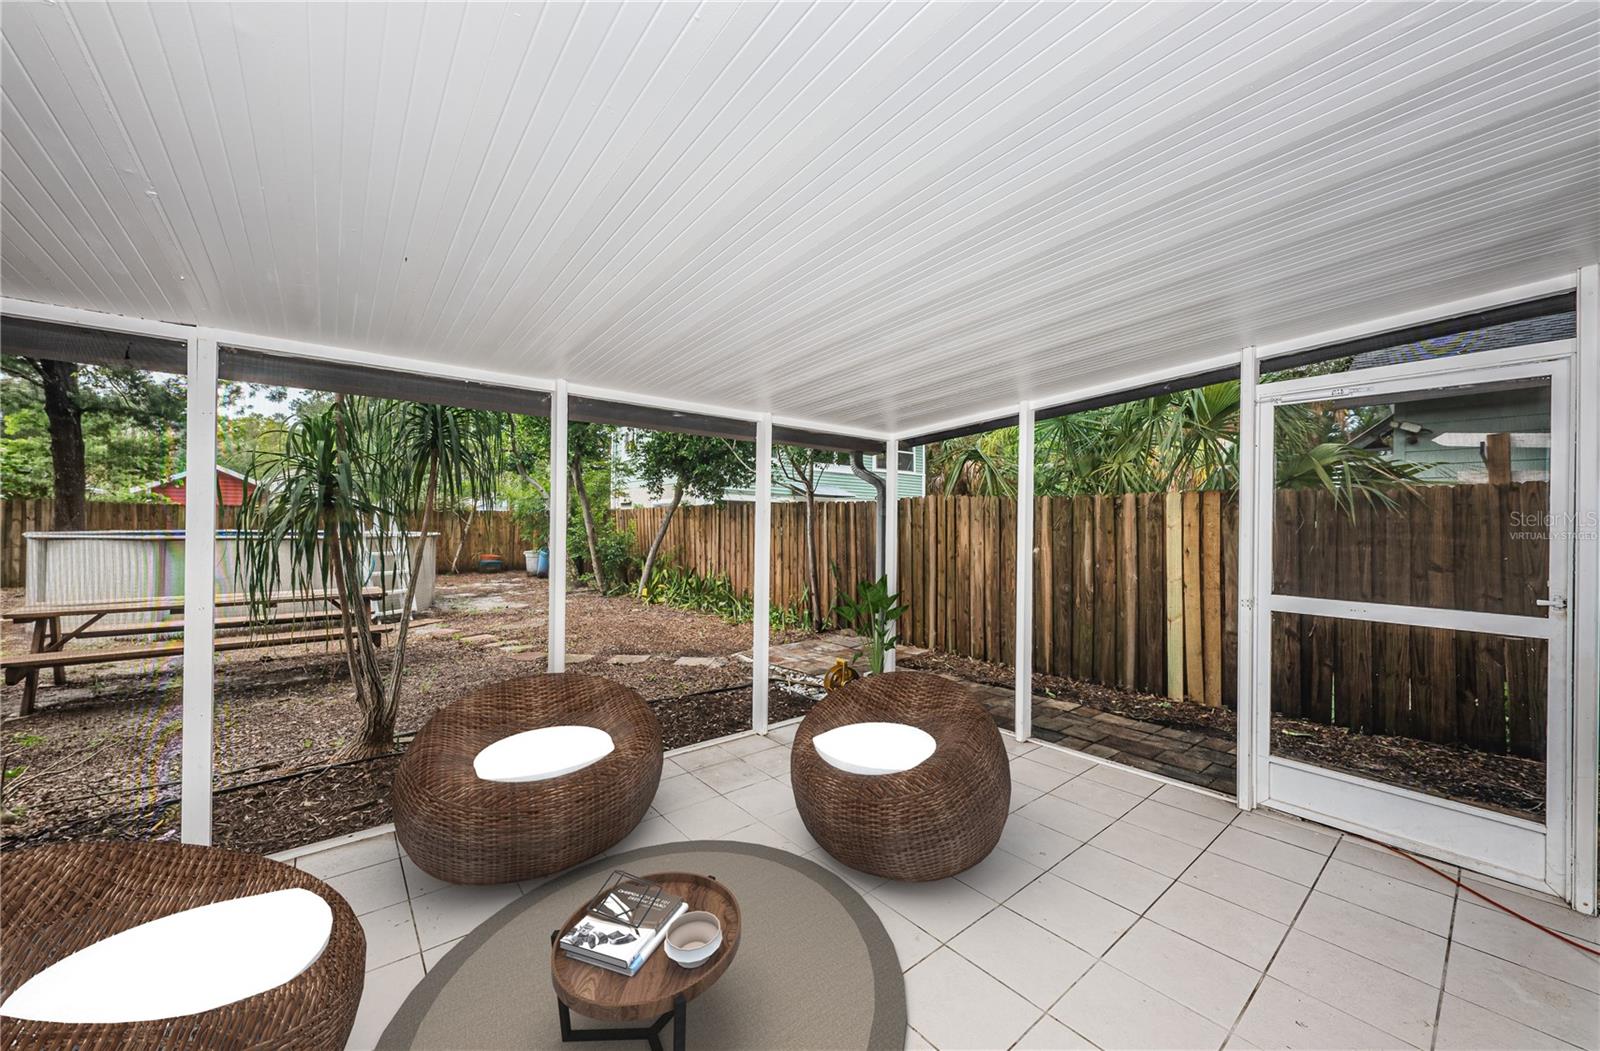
811,560
461,540
858,467
588,525
361,651
415,564
65,417
661,534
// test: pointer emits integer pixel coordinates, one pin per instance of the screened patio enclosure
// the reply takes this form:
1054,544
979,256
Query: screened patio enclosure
895,229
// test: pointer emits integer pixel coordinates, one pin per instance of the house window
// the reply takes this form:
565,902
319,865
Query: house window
908,460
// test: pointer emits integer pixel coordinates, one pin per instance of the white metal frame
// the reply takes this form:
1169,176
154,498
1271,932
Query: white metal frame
890,552
761,614
1022,673
556,614
1246,697
199,590
1586,598
1526,852
200,542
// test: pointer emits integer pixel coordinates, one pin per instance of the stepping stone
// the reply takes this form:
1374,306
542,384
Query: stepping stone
630,658
698,662
579,658
425,629
515,647
480,640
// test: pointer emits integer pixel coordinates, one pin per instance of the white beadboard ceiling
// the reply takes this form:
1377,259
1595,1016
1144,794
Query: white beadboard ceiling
874,215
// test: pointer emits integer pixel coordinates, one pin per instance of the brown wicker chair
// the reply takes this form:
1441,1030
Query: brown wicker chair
55,900
938,818
463,829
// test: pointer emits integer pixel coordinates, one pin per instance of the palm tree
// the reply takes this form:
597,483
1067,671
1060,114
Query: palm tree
346,471
1183,441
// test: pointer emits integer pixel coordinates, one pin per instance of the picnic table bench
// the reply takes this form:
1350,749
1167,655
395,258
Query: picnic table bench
47,648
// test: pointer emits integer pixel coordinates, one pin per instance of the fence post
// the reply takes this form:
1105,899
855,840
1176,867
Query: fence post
556,617
761,577
1023,650
199,604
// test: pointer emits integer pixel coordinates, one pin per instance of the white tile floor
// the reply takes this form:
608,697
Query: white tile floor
1118,912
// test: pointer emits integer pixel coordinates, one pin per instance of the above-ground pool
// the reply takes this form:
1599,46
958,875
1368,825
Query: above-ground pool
105,565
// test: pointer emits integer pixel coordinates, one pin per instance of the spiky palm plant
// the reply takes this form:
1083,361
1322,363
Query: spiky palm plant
1183,441
347,471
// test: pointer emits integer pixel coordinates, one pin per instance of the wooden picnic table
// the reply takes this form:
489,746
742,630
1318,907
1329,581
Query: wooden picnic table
48,641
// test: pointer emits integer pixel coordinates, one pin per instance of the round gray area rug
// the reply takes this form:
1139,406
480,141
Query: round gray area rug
815,970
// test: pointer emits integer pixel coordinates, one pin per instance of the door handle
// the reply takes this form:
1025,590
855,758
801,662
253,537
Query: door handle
1551,603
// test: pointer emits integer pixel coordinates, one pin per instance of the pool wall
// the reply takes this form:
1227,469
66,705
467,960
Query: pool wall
109,565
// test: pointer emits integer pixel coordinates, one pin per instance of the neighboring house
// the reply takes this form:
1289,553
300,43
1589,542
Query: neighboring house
837,481
1452,433
231,487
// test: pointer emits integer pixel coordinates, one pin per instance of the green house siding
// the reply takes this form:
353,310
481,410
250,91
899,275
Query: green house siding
840,483
837,481
1524,414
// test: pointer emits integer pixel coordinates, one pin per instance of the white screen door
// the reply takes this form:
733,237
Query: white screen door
1410,623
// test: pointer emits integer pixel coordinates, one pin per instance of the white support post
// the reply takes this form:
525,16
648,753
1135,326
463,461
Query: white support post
557,615
1585,599
1245,657
1023,672
199,599
889,553
761,576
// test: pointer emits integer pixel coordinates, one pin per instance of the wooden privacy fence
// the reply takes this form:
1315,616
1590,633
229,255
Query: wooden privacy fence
490,531
1483,548
1141,591
720,541
1137,590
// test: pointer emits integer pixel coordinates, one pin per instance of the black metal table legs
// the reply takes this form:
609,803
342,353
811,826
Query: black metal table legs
678,1016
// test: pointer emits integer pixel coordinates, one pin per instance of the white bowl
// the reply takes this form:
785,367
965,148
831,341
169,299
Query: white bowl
693,939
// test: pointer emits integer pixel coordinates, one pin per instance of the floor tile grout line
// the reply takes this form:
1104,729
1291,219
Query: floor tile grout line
1588,994
1101,957
1444,971
1288,930
411,910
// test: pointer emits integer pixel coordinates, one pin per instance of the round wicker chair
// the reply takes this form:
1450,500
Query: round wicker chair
938,818
57,899
462,829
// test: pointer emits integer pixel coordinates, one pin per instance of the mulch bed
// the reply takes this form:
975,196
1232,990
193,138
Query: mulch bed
1500,782
100,758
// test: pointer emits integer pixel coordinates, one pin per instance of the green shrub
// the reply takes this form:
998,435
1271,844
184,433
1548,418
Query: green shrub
673,586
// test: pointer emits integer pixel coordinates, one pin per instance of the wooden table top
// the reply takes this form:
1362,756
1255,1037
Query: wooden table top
161,603
608,997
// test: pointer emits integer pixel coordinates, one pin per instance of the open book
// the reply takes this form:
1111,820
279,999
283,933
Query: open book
624,925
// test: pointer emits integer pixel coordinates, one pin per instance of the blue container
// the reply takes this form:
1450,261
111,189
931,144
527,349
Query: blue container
539,566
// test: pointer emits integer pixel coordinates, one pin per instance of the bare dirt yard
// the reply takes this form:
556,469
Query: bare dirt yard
100,756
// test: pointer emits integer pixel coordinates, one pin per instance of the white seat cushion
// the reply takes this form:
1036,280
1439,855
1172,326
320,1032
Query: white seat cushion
538,755
874,748
191,961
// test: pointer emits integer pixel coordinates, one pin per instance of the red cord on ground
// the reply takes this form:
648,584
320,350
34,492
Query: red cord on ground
1557,935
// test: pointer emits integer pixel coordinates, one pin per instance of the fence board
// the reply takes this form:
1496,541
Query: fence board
1172,514
1211,596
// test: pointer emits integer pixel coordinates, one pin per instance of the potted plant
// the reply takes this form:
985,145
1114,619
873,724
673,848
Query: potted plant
530,506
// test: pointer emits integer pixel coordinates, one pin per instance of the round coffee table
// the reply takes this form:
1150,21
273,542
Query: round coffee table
661,991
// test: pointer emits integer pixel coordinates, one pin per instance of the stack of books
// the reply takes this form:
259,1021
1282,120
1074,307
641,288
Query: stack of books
624,924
